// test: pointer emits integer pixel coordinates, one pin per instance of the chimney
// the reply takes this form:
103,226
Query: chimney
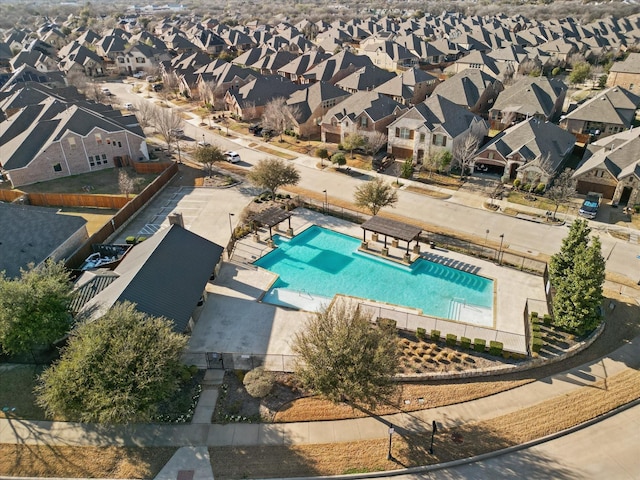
176,219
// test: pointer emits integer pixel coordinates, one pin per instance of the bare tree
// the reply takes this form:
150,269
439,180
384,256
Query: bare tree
541,168
464,152
168,123
205,90
145,113
78,80
563,189
278,116
375,141
249,111
125,183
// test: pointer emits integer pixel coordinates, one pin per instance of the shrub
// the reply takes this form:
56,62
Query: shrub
479,344
339,159
547,319
636,208
535,327
421,333
537,334
495,348
534,315
258,382
435,335
516,183
536,345
540,187
556,71
340,146
386,324
451,340
465,343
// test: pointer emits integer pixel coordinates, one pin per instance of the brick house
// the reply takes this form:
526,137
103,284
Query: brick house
626,74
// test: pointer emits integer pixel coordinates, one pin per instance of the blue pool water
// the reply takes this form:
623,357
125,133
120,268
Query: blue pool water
323,262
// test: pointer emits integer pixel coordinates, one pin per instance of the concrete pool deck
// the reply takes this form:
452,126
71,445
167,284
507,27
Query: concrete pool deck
234,320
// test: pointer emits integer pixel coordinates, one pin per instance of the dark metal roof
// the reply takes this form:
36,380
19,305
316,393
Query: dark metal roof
271,216
392,228
164,276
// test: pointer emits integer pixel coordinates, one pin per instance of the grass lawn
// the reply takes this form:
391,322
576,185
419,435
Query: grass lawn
101,182
17,392
541,203
428,192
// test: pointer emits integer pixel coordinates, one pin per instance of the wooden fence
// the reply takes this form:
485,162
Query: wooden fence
121,217
150,167
10,195
114,202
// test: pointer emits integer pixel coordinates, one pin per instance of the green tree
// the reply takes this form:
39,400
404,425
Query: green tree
273,173
580,72
374,195
339,159
561,263
344,356
34,309
207,155
352,141
116,369
438,161
407,168
577,300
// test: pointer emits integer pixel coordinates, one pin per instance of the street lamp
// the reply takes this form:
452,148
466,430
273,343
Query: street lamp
231,226
391,430
203,142
326,203
434,429
500,250
486,236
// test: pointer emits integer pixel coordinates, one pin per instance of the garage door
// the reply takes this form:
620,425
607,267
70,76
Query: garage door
607,191
332,137
402,152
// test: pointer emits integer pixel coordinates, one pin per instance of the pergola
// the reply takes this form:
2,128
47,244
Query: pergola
391,228
271,217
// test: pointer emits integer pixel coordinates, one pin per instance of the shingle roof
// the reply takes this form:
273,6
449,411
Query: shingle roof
164,276
619,154
376,105
630,65
466,87
365,78
533,96
615,106
31,234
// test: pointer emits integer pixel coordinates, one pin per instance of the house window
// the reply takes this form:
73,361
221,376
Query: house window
119,144
91,161
108,141
104,158
422,137
120,60
364,121
57,167
491,155
404,133
439,140
631,86
140,59
72,143
98,139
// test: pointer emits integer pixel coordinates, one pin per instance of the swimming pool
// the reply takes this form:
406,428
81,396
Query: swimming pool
321,263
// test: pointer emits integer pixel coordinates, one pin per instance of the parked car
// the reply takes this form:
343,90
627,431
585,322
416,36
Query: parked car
157,87
177,132
256,128
202,143
106,91
589,208
128,106
138,75
232,157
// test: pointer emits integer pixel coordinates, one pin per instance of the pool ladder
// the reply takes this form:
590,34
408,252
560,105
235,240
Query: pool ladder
300,292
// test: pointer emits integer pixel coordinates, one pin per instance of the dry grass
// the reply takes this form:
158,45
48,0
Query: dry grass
411,449
428,192
95,217
82,462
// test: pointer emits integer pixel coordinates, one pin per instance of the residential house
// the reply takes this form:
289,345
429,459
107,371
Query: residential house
388,54
311,104
365,78
35,59
611,166
336,67
55,138
164,276
433,125
410,87
31,235
538,97
610,111
253,56
473,89
26,73
531,150
214,79
141,58
271,63
362,111
81,59
626,74
248,101
296,67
